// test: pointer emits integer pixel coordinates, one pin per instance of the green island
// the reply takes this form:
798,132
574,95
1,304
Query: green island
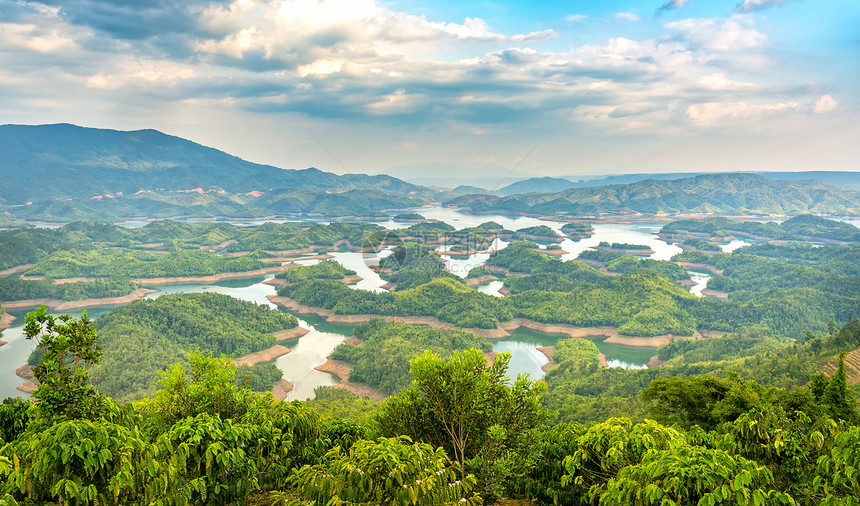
459,430
328,269
539,232
143,338
146,406
577,231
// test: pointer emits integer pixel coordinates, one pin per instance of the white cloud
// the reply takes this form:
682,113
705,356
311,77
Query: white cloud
717,34
304,31
825,103
573,18
754,5
722,113
718,81
627,16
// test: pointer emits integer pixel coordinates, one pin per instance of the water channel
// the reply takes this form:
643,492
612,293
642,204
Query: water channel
311,350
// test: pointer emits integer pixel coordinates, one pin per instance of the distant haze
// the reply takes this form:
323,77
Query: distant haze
568,89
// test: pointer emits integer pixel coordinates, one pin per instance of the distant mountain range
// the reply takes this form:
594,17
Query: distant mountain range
71,161
724,193
844,179
64,172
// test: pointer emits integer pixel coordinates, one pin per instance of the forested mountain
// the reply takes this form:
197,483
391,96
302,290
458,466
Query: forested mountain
727,193
107,174
538,185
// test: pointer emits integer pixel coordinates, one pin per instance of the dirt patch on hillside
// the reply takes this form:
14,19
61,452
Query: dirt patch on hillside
14,270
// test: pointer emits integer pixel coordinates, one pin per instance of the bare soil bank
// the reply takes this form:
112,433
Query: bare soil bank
342,369
293,333
480,280
66,305
281,389
266,355
6,319
210,279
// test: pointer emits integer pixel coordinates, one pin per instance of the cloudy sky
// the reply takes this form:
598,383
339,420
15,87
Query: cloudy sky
552,87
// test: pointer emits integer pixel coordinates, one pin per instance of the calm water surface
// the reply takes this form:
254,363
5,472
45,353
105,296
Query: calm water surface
310,350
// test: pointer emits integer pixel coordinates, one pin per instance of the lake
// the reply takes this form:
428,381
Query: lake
311,350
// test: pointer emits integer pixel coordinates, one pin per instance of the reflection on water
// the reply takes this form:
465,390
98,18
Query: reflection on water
629,233
525,358
311,349
491,288
733,245
15,353
701,280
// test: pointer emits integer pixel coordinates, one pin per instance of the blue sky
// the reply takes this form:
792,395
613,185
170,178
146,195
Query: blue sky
551,88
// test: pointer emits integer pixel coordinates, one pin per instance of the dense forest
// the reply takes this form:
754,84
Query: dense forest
461,431
146,405
141,339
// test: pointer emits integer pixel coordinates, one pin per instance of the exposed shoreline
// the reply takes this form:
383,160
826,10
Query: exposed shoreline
261,356
209,279
504,329
480,280
292,333
6,319
341,370
65,305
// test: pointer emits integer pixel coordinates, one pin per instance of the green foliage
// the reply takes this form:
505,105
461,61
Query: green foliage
446,298
215,461
147,336
69,352
15,414
743,343
468,408
382,361
84,462
706,401
258,377
135,264
211,389
18,289
806,225
328,269
702,244
387,471
836,478
541,231
407,217
341,404
577,230
692,475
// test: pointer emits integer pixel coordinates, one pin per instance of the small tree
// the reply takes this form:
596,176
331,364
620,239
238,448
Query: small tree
388,471
69,350
473,411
